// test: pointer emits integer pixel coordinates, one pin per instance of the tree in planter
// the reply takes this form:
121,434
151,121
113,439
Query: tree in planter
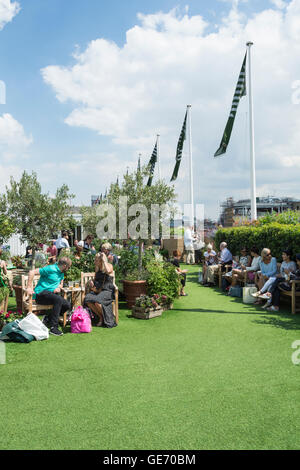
36,216
139,194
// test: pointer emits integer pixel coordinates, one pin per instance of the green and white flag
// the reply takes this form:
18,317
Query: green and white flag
240,91
152,163
181,140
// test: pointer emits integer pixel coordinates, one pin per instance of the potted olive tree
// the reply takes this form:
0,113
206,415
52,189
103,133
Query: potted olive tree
142,197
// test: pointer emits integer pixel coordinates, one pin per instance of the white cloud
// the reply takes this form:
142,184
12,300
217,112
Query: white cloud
279,4
8,10
133,92
14,142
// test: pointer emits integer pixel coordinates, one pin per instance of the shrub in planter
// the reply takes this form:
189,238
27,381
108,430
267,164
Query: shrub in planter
147,307
163,280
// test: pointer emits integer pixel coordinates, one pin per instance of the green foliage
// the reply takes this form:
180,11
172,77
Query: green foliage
17,280
90,219
4,291
85,264
288,217
35,216
5,256
274,236
7,228
163,280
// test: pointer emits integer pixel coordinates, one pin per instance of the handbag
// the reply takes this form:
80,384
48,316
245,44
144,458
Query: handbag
13,332
33,325
81,321
235,291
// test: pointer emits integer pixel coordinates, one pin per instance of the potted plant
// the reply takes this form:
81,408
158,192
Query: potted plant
138,193
163,280
147,307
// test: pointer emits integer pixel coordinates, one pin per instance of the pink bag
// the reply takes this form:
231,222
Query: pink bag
81,321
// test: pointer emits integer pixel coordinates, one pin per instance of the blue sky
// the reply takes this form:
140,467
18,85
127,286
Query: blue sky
45,33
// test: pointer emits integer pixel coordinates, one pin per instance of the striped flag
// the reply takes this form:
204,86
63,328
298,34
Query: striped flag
181,140
152,162
240,91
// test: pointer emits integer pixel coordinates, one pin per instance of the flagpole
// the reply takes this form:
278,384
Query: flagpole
252,148
191,163
158,157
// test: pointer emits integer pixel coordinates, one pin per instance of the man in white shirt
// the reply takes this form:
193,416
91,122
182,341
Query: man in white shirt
225,258
62,242
188,244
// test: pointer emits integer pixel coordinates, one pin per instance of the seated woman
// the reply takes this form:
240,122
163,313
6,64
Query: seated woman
181,272
287,267
210,258
268,273
101,297
244,265
275,291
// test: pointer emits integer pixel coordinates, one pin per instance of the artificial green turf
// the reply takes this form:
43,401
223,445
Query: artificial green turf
213,373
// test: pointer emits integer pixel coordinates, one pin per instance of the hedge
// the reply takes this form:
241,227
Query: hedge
275,236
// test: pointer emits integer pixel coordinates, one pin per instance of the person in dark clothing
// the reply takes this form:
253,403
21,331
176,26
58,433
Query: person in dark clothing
101,297
181,272
275,291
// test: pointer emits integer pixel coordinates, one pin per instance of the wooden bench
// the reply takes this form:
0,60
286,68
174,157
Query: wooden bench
85,278
29,304
293,294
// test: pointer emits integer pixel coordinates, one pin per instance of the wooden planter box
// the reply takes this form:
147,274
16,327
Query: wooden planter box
146,314
132,290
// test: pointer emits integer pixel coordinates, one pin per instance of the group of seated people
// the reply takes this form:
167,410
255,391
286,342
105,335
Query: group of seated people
99,299
261,267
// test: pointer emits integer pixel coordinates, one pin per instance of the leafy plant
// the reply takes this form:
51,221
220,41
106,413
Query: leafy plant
275,236
10,316
147,302
17,281
4,291
163,280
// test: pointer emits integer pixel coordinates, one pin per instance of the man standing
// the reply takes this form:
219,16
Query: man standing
47,291
225,258
62,242
188,244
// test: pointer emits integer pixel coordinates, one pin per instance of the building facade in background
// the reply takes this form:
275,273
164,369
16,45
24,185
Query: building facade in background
235,211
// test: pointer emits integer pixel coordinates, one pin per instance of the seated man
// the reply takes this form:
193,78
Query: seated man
225,258
47,291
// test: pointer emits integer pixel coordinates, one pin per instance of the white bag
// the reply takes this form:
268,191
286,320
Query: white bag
33,325
200,276
247,297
